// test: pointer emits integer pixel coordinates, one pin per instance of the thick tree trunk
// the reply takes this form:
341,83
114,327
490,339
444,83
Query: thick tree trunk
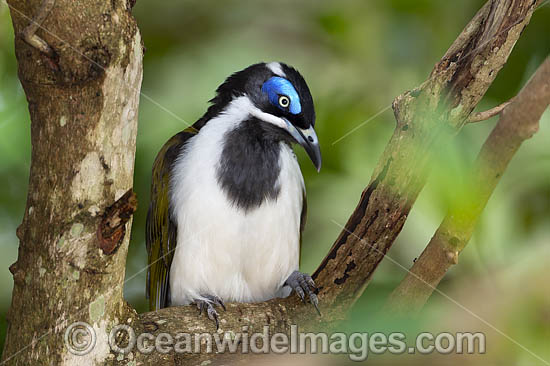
82,80
83,101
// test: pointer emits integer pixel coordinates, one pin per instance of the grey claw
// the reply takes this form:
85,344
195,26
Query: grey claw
303,284
315,301
208,307
300,293
311,282
213,315
216,300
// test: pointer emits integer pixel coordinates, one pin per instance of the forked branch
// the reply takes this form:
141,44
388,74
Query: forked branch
518,122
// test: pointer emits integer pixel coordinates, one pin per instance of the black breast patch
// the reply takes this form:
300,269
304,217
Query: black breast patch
249,164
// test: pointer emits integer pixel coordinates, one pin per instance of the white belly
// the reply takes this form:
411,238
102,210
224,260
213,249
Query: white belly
221,249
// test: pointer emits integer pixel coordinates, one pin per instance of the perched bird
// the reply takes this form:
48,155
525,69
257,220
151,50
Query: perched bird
228,202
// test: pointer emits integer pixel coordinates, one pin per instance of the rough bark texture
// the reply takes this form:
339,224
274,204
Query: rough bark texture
83,134
83,104
518,122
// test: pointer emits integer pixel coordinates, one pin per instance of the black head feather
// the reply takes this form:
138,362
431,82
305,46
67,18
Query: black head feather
249,82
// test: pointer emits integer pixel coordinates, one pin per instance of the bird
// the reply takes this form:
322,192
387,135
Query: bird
228,200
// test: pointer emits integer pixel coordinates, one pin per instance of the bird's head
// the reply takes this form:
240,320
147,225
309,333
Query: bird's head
278,96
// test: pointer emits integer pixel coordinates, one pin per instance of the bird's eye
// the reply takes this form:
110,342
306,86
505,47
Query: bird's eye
284,101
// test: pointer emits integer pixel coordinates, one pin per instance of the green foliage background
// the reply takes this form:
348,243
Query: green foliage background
356,56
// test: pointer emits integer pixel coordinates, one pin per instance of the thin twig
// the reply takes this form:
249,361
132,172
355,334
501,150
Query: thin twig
485,115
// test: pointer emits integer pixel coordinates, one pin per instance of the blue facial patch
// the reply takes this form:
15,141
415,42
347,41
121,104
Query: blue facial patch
277,86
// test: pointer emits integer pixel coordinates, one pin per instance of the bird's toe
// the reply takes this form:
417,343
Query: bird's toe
303,285
207,305
217,301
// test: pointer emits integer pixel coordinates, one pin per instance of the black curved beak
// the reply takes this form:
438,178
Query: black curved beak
307,138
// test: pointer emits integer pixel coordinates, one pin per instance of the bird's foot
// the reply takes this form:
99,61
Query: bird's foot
303,284
207,305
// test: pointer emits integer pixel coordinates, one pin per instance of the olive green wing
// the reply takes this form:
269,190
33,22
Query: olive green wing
160,229
303,217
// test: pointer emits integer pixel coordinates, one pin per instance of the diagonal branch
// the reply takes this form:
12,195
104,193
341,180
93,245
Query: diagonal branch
426,118
518,122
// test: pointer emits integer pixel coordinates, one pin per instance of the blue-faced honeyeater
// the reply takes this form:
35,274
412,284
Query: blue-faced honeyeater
228,201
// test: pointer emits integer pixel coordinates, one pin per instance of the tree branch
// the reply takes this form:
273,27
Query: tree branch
429,116
485,115
518,122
